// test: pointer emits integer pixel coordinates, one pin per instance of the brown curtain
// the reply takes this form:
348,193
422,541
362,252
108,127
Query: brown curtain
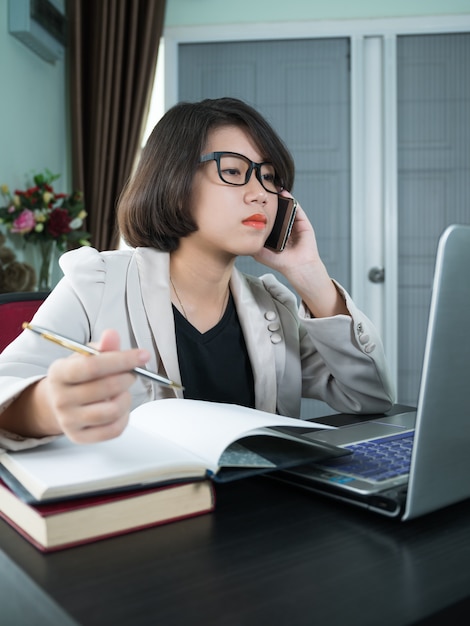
112,54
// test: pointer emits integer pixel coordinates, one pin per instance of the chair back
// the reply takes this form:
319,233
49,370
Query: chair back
16,308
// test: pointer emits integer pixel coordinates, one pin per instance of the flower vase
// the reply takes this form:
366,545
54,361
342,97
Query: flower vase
46,260
41,255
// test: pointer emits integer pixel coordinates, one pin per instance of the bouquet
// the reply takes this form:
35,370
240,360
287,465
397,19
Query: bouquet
46,219
40,214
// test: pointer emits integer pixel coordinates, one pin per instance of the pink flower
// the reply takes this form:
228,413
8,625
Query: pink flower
24,223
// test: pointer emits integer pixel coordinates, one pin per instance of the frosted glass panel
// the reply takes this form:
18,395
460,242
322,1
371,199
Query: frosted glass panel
433,178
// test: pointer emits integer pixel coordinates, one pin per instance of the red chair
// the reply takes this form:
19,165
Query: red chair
16,308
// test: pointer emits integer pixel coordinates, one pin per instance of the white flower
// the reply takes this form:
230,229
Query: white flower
40,215
76,223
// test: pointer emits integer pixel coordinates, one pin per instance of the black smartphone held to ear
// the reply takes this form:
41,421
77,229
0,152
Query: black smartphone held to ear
277,239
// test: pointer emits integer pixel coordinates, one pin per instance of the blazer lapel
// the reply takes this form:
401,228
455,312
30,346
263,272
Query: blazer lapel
252,307
153,268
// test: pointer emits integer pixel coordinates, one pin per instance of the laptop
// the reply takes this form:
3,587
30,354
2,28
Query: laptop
427,456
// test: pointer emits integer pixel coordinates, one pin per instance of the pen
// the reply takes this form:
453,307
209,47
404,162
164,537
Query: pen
70,344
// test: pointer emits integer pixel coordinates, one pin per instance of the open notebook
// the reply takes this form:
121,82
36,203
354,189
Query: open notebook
427,464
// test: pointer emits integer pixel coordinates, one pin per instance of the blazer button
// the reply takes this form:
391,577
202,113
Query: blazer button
364,339
369,348
276,338
270,315
273,326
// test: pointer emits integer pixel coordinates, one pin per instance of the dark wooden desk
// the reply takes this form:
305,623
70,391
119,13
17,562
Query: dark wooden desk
269,554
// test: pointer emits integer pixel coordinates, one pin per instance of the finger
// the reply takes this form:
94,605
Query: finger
97,432
109,341
97,421
80,369
68,394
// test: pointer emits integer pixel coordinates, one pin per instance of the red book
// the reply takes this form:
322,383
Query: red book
59,525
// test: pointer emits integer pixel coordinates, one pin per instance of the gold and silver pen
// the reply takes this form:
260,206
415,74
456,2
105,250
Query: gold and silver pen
75,346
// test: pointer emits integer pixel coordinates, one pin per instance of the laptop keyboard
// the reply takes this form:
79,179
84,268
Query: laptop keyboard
378,459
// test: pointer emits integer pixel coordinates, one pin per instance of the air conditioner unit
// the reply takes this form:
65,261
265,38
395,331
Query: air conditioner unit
41,25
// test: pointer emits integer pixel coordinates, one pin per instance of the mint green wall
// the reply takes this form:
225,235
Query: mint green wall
33,119
198,12
33,109
33,115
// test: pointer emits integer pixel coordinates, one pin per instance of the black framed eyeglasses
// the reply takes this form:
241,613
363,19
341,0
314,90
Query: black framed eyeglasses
236,169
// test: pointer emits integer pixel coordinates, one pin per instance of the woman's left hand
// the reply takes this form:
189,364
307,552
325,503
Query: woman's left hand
301,265
301,247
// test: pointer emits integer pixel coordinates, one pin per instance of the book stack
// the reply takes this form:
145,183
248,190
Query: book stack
71,522
160,469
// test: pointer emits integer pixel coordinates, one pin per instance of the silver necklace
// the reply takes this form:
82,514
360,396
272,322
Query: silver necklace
178,298
224,303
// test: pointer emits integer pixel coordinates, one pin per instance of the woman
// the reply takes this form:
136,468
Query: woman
175,302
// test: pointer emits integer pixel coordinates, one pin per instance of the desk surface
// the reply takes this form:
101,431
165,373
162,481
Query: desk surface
269,554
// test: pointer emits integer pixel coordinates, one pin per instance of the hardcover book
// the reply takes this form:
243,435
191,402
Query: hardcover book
68,523
166,441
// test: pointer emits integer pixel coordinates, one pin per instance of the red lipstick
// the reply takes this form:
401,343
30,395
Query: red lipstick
258,220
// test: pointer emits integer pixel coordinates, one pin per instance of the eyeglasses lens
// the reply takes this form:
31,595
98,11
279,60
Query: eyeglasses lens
235,170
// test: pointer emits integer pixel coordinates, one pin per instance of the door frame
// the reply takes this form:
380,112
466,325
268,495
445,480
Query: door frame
373,137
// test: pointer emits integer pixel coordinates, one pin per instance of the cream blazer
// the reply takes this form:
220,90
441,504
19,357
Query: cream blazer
339,360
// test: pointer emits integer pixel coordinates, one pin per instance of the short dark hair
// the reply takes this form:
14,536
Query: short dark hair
154,209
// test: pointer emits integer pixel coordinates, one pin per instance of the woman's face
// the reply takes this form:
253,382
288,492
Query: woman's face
235,220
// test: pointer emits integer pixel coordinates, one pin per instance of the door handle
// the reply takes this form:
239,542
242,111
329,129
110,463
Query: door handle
376,275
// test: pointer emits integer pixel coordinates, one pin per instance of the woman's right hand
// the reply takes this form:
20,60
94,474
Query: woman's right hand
84,397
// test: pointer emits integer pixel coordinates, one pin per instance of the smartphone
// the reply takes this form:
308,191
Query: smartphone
285,217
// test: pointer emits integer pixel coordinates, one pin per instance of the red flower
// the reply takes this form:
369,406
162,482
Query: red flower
59,223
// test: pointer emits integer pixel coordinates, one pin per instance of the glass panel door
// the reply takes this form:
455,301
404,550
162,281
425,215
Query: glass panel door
433,84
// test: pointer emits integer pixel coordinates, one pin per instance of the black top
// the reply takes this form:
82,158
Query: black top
215,365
